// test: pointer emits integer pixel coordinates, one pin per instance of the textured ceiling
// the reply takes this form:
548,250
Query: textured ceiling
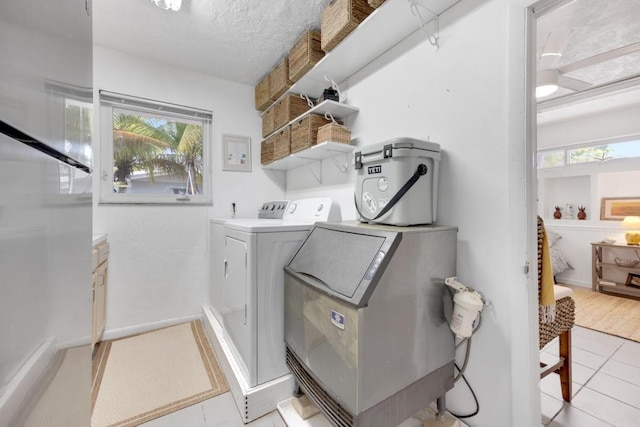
586,34
236,40
241,40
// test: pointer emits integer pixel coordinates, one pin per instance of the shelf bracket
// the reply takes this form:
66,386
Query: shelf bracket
341,168
335,86
307,164
432,36
306,98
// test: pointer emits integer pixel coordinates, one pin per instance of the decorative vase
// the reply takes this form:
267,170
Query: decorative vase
568,211
557,214
581,213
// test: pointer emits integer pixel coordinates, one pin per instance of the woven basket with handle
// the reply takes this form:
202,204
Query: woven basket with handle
340,18
268,125
304,132
279,80
266,150
304,54
282,143
262,94
334,132
288,108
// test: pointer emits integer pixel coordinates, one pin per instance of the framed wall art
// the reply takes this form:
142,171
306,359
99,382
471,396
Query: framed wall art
633,280
236,153
616,208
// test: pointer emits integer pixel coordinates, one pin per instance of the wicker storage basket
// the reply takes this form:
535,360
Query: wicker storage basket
279,79
288,108
282,143
304,132
262,94
268,124
334,132
304,54
266,150
339,18
375,3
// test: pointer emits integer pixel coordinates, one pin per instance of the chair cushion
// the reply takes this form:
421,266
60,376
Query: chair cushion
560,292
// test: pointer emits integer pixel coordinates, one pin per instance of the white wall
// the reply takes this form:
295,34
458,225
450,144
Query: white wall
158,265
575,244
585,184
469,97
590,127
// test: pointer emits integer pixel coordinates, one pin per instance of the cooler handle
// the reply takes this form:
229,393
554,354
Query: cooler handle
422,170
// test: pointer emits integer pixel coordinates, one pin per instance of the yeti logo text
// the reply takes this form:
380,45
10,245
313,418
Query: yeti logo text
374,169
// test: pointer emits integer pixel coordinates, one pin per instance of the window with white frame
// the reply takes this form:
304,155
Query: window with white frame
72,125
598,151
153,152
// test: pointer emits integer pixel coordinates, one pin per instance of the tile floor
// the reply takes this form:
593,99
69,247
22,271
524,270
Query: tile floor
606,383
606,390
220,411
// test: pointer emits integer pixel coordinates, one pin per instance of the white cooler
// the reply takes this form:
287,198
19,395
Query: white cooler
397,182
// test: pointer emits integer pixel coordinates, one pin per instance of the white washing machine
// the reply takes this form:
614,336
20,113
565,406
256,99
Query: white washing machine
247,298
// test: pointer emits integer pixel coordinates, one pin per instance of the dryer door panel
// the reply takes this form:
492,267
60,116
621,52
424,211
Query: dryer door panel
237,320
235,279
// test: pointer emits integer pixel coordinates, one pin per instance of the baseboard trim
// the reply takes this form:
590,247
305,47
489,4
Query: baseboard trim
579,283
76,342
27,381
146,327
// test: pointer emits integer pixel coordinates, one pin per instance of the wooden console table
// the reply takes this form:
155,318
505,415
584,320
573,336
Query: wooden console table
606,275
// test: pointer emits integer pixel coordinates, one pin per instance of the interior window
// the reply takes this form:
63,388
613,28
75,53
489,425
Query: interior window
154,152
600,153
588,153
550,159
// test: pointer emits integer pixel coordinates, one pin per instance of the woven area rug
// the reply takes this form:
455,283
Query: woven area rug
608,314
146,376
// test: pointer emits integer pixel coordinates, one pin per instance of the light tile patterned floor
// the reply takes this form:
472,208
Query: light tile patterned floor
220,411
606,383
606,390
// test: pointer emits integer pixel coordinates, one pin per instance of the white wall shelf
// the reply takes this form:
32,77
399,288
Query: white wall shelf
563,190
389,24
338,110
324,150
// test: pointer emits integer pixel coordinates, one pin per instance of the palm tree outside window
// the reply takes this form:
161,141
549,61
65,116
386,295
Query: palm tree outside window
157,156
